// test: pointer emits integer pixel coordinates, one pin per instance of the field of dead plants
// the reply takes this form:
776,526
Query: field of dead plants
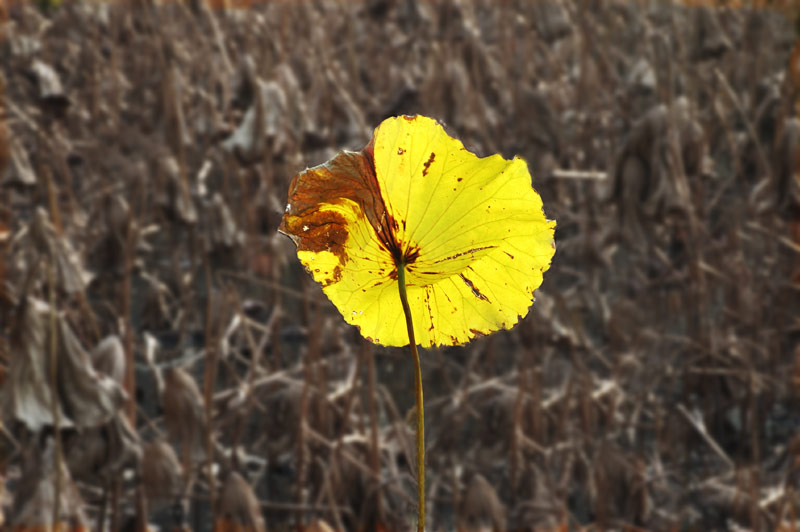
165,359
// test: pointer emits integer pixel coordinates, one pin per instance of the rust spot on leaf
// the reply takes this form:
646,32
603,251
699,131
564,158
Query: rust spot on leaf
475,292
428,164
467,252
509,254
337,276
428,304
411,255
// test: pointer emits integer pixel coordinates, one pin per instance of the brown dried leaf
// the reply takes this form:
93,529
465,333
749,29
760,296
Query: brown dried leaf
647,181
156,308
50,246
642,75
35,495
108,358
102,452
177,134
239,509
712,41
85,398
108,251
50,88
318,525
619,487
262,125
552,21
480,507
183,411
161,474
221,230
175,197
19,171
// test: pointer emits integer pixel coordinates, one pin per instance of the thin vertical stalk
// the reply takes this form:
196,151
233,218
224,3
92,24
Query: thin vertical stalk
54,406
401,282
209,382
309,359
116,489
101,519
375,458
129,380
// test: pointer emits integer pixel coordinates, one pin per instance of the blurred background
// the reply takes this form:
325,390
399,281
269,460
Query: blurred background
165,359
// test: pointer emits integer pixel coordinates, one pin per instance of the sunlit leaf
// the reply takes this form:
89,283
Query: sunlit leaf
470,230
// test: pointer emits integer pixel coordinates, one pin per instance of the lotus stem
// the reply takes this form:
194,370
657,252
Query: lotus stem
401,281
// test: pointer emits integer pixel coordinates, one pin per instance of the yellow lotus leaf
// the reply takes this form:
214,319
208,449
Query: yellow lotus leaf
469,231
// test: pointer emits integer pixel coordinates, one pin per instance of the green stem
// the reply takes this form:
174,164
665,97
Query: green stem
401,281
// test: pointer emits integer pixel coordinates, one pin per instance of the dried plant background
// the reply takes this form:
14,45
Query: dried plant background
194,374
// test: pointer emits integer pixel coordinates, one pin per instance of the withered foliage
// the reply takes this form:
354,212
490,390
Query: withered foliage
183,411
161,474
36,494
84,398
239,509
164,359
480,508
